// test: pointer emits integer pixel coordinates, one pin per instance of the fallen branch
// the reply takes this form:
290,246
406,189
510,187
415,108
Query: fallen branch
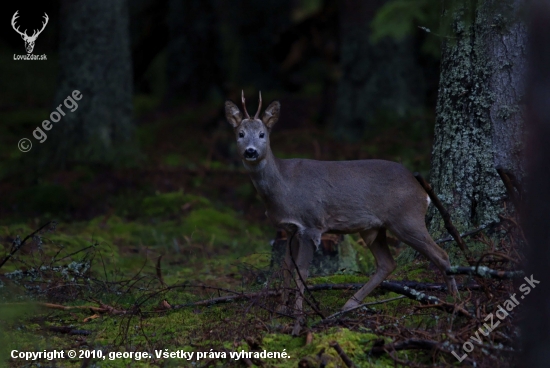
485,272
342,354
18,244
424,299
427,286
364,305
348,286
463,235
229,298
103,308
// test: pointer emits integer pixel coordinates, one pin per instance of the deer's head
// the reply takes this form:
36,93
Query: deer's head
252,133
29,40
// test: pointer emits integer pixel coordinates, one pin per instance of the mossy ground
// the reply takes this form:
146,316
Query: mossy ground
187,201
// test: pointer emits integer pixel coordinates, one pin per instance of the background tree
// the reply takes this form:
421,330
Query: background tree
94,58
479,116
194,56
376,78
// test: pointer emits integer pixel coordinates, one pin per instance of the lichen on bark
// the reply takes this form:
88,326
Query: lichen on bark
479,115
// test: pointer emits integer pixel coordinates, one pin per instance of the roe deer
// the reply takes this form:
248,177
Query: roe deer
308,198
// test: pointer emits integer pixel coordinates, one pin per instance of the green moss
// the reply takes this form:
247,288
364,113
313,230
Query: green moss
352,342
166,204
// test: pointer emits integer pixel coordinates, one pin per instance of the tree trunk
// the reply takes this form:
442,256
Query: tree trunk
381,78
94,57
479,119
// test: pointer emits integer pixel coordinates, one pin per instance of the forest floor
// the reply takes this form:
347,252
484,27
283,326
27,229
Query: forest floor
136,252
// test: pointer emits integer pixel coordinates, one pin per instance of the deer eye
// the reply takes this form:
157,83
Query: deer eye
262,135
241,134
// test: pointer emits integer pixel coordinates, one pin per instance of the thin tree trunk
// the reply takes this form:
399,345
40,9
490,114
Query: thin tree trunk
95,59
479,120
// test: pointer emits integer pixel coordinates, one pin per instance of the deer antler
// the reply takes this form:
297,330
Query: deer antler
259,107
15,16
35,34
244,105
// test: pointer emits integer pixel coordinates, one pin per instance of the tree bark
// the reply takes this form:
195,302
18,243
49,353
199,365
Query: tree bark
94,57
479,119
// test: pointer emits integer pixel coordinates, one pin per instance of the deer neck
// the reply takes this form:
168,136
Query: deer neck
266,177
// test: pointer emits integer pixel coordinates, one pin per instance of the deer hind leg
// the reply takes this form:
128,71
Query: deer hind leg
385,264
416,235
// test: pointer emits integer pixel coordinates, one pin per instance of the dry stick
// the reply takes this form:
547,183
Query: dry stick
364,305
314,307
342,354
14,249
463,235
411,284
389,285
446,217
425,299
486,272
102,309
159,272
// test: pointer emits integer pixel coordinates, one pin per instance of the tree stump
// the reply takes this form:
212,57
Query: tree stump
335,255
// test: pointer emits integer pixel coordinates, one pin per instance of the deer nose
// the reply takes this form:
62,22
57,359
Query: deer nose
250,153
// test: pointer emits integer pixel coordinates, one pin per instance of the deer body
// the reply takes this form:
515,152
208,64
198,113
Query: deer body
308,198
336,196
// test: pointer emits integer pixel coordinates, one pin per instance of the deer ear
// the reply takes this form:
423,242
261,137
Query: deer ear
233,114
271,114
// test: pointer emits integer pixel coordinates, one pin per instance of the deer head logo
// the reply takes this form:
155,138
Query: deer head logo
29,40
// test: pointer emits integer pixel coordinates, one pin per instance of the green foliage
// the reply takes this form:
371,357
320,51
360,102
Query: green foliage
10,315
401,18
169,204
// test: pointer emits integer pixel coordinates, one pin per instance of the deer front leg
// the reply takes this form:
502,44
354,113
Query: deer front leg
287,270
305,251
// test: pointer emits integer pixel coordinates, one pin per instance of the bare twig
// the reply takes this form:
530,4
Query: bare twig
463,235
342,354
446,217
364,305
425,299
159,271
19,244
